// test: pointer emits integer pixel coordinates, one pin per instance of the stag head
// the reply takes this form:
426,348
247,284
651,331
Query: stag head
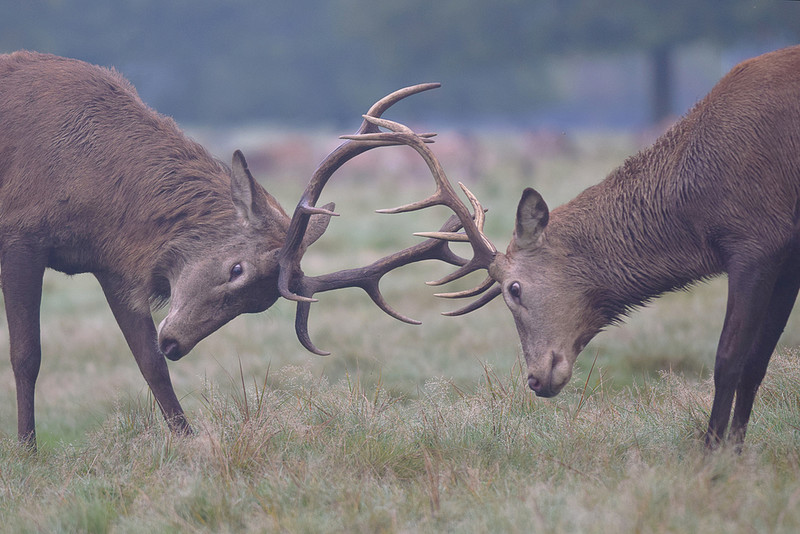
247,271
235,275
554,318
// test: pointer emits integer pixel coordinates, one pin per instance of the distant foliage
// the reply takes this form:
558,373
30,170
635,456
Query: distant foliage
318,60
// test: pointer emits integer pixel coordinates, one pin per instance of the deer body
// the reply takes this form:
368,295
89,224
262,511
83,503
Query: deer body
718,193
92,180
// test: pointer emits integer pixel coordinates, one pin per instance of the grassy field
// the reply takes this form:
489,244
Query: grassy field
402,428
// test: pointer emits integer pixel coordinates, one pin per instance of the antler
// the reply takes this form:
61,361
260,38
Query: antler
368,278
483,250
292,252
294,285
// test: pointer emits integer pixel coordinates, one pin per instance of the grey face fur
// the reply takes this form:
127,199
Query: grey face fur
239,276
549,312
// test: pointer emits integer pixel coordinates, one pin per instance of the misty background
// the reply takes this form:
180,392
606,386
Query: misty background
563,64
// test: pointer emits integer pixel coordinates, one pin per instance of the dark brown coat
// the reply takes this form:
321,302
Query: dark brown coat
92,180
718,193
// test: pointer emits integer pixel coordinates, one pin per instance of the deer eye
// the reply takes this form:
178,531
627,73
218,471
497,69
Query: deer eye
515,290
236,272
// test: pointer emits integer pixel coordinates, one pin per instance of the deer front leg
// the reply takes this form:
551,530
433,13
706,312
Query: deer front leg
22,269
749,292
780,306
140,334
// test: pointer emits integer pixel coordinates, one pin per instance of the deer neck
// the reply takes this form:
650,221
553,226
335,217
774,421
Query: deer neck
632,237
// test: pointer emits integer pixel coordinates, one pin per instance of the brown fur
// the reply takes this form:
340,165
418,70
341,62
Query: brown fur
139,191
718,193
92,180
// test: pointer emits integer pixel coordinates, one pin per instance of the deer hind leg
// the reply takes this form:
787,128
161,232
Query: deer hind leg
140,334
22,269
750,288
780,306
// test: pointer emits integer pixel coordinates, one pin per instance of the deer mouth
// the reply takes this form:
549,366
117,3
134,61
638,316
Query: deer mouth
172,341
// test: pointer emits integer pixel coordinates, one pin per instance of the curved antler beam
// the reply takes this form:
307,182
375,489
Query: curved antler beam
291,253
368,278
294,285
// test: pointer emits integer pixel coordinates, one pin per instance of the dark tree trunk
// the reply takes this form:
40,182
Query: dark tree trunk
661,59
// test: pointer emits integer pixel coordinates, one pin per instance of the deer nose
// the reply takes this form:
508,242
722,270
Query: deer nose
534,383
540,388
171,349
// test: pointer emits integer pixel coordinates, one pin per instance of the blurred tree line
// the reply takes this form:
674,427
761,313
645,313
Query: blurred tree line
318,61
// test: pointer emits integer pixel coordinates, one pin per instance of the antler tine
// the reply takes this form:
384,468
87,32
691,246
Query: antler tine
483,250
368,278
379,107
480,219
481,288
477,290
291,253
479,303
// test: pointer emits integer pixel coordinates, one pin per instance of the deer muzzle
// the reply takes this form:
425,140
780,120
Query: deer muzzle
171,349
548,375
171,343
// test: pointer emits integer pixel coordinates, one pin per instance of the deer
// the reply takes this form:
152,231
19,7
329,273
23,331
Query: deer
92,180
718,193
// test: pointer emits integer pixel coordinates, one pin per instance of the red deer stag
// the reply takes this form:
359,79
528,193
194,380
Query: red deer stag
718,193
92,180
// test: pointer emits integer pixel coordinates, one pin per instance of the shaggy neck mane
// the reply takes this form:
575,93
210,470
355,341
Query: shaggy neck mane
629,239
189,200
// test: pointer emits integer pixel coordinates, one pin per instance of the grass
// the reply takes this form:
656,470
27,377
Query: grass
298,453
402,429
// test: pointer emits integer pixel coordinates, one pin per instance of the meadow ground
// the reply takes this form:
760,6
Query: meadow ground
403,428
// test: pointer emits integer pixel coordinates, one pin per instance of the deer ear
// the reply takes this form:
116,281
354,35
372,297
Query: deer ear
253,204
532,217
317,226
242,185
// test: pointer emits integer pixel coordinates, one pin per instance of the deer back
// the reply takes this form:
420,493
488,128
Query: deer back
104,184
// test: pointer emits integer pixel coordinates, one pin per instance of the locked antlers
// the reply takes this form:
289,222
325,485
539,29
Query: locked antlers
294,285
483,250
